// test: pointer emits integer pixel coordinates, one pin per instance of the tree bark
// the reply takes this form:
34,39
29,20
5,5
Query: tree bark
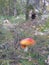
27,9
15,11
44,6
37,4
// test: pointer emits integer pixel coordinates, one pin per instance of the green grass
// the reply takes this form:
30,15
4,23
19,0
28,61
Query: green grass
45,27
26,62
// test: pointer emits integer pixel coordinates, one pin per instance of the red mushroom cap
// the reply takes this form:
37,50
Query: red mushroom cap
27,42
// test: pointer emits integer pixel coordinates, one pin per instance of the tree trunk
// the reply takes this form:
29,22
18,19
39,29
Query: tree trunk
37,4
15,11
44,6
27,9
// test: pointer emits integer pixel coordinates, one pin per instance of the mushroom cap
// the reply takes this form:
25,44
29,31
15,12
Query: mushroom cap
27,42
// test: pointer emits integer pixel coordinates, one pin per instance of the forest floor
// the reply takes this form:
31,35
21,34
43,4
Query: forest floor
10,36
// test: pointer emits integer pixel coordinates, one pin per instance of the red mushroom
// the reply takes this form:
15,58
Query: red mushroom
27,42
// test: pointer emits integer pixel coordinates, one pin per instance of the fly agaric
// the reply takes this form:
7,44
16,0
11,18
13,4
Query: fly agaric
27,42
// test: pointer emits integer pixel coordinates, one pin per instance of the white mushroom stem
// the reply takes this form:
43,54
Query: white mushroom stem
26,49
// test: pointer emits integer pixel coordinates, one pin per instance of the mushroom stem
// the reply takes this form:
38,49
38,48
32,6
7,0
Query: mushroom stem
26,49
